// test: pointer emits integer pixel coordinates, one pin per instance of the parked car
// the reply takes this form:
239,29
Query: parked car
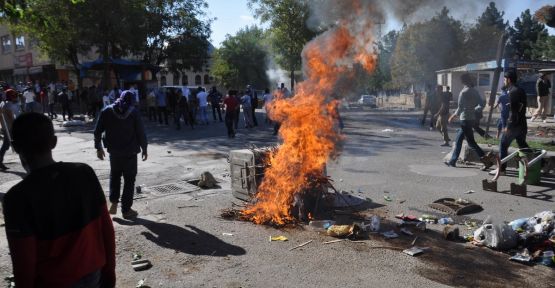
368,100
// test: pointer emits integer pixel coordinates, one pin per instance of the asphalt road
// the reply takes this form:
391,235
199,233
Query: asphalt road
384,153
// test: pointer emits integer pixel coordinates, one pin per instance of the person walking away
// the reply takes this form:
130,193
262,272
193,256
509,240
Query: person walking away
30,98
124,138
64,100
215,98
231,104
502,104
161,105
172,102
442,115
9,110
469,98
52,103
254,103
183,110
542,90
151,104
58,228
517,128
202,98
268,97
247,109
193,104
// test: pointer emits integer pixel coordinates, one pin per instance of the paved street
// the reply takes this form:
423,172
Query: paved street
385,153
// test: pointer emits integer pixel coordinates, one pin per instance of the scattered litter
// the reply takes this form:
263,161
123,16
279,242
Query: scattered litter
402,216
390,234
413,241
374,225
320,225
141,264
446,221
344,199
402,201
387,130
413,251
139,189
469,192
141,284
353,230
406,231
522,257
456,206
207,180
278,238
451,232
428,218
387,198
495,235
227,234
169,152
301,245
137,256
333,241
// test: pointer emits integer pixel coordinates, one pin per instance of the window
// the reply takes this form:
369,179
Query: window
198,80
19,43
483,79
206,79
185,80
6,44
176,78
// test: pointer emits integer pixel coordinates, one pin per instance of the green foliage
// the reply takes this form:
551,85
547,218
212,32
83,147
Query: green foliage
483,37
544,48
241,60
524,34
426,47
289,32
381,77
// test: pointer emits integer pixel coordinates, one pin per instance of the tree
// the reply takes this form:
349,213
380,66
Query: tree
289,31
483,37
241,60
381,78
544,48
525,32
423,48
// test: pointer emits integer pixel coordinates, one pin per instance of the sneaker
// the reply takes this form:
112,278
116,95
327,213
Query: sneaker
131,214
446,144
449,164
113,208
3,167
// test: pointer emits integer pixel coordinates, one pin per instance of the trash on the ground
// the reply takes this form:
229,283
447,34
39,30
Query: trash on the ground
406,232
428,218
446,221
320,225
169,152
374,225
71,123
469,192
418,224
387,198
522,257
142,284
207,180
414,241
498,236
227,234
351,231
451,232
333,241
137,256
390,234
456,206
387,130
278,238
301,245
141,264
402,216
548,258
139,189
413,251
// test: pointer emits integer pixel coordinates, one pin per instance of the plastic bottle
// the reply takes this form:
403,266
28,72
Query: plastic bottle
445,221
320,225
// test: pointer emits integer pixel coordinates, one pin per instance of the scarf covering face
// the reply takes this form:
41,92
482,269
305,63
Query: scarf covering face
124,102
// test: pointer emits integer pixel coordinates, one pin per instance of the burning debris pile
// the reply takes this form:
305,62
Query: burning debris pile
308,119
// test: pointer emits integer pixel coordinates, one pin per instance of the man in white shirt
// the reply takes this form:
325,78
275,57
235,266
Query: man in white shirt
29,96
202,97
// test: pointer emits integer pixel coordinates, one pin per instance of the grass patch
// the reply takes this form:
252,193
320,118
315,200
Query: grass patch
545,145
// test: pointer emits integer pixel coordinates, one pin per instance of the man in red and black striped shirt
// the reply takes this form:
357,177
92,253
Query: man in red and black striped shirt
57,224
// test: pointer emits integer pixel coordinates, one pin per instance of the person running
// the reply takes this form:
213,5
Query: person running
469,99
9,110
542,90
58,228
202,98
517,128
124,138
503,104
215,98
231,104
442,115
247,109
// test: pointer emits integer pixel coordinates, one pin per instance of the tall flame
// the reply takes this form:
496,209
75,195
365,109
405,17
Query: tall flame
308,119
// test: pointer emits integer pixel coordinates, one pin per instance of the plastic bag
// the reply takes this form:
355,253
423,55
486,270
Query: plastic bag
496,236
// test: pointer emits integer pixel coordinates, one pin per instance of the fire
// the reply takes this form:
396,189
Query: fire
308,119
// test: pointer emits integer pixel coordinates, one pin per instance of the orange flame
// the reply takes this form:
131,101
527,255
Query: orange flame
308,120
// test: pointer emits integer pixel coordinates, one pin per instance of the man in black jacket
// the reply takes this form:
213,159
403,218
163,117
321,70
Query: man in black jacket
125,138
516,124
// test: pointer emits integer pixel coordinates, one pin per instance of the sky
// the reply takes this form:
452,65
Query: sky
232,15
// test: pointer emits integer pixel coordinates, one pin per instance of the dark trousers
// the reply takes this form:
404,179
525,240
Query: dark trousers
5,146
152,113
219,110
507,138
229,123
254,122
465,132
66,109
52,112
185,113
236,118
478,129
163,110
125,166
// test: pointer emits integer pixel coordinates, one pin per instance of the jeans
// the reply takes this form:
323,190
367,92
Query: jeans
66,109
254,121
465,132
5,146
152,113
125,166
203,114
29,106
507,138
247,115
52,110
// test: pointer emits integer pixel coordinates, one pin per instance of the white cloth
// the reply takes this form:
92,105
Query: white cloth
186,92
202,99
29,96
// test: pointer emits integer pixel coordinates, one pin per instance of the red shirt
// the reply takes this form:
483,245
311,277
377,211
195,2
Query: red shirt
231,103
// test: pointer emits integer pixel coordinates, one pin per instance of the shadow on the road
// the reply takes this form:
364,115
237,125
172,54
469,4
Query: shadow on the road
192,241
